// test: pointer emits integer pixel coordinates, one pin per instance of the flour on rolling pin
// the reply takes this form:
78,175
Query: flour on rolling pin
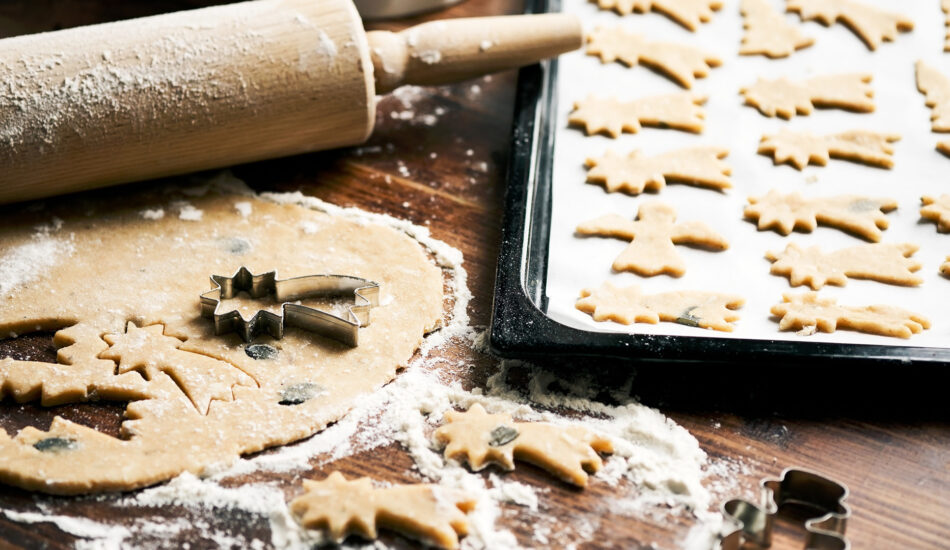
181,92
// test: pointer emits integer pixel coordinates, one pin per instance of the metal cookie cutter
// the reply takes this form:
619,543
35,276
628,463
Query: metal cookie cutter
343,329
752,525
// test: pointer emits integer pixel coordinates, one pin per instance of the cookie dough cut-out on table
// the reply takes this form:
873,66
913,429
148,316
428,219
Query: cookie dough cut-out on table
681,62
768,33
855,214
802,148
688,13
569,452
809,311
786,98
936,88
945,6
653,235
122,295
872,25
709,310
635,172
341,507
886,263
612,116
937,210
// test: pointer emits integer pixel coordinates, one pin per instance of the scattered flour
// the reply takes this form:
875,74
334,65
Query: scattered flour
244,208
189,213
27,262
153,213
657,463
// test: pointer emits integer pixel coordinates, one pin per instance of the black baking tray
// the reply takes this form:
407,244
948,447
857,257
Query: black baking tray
520,329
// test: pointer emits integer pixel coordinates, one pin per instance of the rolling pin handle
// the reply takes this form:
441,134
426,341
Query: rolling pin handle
440,52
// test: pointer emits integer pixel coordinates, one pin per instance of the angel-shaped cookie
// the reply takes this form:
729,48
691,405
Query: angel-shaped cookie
653,236
569,452
710,310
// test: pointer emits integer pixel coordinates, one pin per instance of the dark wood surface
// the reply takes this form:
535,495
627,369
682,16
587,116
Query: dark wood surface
884,432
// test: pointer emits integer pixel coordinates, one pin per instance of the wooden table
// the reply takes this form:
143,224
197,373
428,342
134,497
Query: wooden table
884,432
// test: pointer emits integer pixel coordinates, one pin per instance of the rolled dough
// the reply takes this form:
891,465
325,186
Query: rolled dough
122,295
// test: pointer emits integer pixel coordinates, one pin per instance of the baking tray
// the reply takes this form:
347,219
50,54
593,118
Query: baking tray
521,327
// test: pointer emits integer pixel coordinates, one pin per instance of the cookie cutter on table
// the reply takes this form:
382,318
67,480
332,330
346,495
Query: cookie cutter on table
752,525
343,329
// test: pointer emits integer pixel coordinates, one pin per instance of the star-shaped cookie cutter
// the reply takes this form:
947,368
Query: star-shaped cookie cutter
752,525
343,329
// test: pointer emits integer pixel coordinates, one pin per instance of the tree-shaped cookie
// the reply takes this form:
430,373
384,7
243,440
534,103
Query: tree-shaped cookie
871,24
807,310
681,62
862,216
937,210
612,116
689,13
635,172
785,98
885,263
768,33
801,148
710,310
568,452
425,512
653,236
936,88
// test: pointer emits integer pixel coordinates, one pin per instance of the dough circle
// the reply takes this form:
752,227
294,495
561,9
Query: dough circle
123,296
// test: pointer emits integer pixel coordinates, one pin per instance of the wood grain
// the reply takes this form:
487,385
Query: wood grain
885,433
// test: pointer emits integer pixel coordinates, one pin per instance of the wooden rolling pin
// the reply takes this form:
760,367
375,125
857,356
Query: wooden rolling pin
171,94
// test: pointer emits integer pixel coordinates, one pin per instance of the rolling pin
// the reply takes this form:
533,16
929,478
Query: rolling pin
176,93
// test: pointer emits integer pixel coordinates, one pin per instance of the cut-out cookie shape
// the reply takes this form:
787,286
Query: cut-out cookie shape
871,24
786,98
945,267
635,173
653,235
862,216
681,62
568,452
342,507
612,116
195,399
936,89
885,263
937,210
944,147
801,148
808,311
688,13
768,33
709,310
945,6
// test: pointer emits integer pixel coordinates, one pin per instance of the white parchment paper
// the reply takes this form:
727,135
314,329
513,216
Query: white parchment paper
576,263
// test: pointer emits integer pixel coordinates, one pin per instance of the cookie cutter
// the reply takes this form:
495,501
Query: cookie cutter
752,525
344,329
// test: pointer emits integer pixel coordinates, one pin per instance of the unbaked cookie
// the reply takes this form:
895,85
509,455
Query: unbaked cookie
871,24
635,173
681,111
808,311
653,236
689,13
768,33
785,98
801,148
568,452
681,62
885,263
710,310
862,216
936,88
341,507
937,210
